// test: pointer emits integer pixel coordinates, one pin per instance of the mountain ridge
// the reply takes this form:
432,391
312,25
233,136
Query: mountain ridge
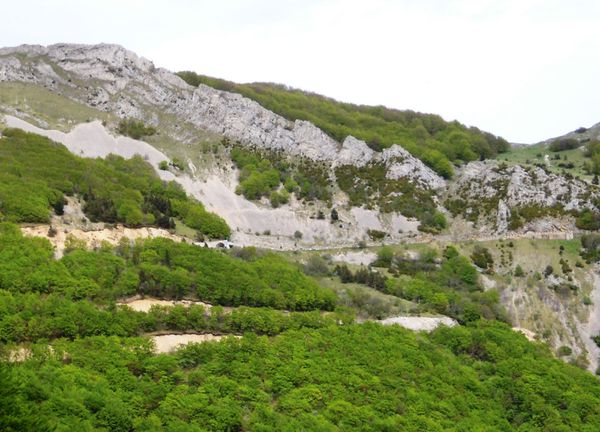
225,113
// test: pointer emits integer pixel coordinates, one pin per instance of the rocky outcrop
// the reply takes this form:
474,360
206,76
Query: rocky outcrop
520,186
498,189
401,164
355,152
502,217
112,79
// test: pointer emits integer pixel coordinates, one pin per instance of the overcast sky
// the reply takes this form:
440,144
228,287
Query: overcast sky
523,69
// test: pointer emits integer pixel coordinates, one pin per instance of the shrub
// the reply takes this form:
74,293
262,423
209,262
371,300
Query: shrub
73,243
135,129
433,222
52,232
316,266
590,244
450,252
163,165
519,271
588,220
177,163
207,223
297,235
565,266
592,147
459,270
384,257
439,163
290,185
564,351
279,198
482,258
376,234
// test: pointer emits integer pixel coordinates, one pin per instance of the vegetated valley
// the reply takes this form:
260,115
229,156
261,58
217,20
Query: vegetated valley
182,253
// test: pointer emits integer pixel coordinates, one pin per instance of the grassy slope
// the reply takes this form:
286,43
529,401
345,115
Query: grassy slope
533,256
52,111
368,302
58,112
529,155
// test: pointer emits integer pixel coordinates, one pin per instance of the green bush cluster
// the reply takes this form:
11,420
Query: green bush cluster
369,186
262,173
590,247
365,276
592,151
376,235
588,220
135,129
36,174
452,290
157,267
482,258
449,288
28,317
257,176
194,215
562,144
437,142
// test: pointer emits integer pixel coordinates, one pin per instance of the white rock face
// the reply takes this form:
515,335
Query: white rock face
523,186
402,164
119,81
502,217
516,186
354,152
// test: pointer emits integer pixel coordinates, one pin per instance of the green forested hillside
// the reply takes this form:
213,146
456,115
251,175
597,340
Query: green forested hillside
85,367
359,377
36,174
155,267
437,142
